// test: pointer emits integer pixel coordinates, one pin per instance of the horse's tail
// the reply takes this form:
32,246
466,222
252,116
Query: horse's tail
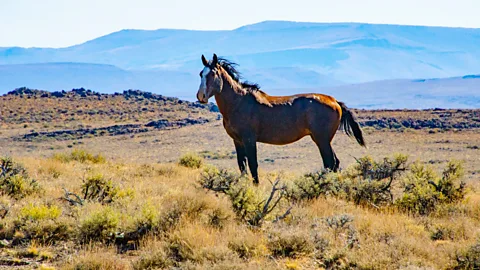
350,124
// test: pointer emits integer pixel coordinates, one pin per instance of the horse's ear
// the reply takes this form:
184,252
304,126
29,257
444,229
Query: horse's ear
215,60
204,61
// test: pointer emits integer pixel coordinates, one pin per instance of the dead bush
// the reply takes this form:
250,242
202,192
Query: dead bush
342,226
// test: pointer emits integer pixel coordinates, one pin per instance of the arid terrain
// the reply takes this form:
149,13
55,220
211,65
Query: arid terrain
134,181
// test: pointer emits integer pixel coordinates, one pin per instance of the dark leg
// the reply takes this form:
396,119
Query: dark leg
241,156
251,151
337,163
327,153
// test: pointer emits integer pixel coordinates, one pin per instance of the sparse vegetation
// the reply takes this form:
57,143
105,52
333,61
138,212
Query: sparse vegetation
111,203
237,223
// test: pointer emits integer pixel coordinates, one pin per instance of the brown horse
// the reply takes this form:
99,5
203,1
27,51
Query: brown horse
251,116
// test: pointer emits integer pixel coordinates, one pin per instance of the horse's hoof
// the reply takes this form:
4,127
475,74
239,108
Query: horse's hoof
256,182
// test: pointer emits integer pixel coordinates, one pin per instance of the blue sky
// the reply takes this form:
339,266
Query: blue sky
61,23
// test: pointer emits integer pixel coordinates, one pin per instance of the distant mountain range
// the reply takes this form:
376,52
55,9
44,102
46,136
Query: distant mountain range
283,57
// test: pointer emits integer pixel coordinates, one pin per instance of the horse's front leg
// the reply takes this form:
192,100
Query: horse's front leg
241,156
250,145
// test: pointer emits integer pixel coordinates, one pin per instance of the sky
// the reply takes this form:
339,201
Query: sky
62,23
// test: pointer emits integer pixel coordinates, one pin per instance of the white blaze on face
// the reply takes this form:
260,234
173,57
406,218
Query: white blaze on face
203,83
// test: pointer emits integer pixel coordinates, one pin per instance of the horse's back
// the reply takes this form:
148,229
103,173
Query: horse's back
325,100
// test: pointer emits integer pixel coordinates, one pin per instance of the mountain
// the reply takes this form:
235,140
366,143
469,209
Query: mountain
346,52
275,54
455,92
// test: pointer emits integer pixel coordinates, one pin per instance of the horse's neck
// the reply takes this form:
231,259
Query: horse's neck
228,99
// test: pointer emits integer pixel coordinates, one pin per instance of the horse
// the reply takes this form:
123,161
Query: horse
250,115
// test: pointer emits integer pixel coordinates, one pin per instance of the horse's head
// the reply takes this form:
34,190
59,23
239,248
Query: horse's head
211,80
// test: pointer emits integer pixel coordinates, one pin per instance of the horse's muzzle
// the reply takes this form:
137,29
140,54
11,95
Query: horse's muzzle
201,97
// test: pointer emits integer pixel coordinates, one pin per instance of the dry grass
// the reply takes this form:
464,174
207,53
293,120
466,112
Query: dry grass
164,219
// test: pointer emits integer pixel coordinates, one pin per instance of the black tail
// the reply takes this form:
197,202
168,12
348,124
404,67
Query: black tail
350,125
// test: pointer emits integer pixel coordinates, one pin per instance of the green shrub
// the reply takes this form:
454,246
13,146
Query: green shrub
388,168
80,156
45,231
314,185
42,223
368,183
97,188
424,191
14,180
218,180
191,160
39,212
99,225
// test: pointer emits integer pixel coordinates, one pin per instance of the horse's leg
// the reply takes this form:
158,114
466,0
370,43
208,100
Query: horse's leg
328,156
251,151
241,156
337,162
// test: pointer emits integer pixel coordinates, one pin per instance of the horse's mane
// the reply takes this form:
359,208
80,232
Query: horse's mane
231,68
250,88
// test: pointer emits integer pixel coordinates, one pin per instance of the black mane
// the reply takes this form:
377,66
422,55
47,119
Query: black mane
231,68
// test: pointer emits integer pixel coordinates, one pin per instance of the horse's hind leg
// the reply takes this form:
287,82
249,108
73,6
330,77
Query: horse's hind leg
337,162
328,156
